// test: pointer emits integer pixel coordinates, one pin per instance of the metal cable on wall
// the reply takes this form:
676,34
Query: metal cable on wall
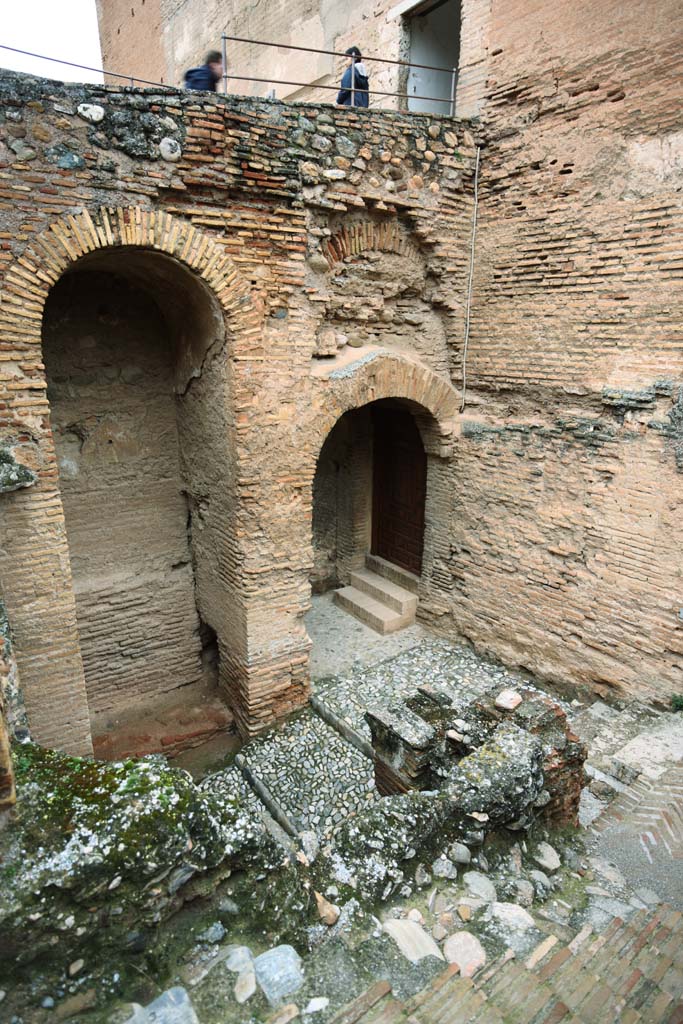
469,282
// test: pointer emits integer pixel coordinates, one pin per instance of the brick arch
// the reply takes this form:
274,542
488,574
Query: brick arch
37,561
28,282
383,374
367,236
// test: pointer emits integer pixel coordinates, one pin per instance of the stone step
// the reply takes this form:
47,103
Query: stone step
407,580
307,775
370,611
385,591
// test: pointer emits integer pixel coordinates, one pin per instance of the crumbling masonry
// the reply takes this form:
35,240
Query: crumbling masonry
200,295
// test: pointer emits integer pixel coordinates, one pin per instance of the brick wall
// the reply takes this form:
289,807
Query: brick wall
251,212
553,531
575,360
106,348
131,39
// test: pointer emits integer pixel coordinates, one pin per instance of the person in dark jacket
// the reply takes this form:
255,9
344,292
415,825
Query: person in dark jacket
207,77
355,82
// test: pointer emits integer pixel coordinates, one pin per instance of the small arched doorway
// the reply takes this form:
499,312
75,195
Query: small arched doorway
127,338
369,511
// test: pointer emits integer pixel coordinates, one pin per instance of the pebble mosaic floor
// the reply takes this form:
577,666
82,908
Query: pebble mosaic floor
229,781
457,668
315,776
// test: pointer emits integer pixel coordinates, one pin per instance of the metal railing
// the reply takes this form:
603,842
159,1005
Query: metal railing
130,79
228,76
134,80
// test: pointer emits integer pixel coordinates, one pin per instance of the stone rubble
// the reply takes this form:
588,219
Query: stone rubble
412,939
466,951
279,973
171,1007
547,857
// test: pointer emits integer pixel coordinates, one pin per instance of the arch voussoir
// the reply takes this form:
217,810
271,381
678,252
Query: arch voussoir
383,374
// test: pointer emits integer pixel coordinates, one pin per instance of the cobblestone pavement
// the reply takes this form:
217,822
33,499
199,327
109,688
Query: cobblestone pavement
313,774
456,667
342,643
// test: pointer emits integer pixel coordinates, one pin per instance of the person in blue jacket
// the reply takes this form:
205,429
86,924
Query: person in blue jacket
355,82
206,77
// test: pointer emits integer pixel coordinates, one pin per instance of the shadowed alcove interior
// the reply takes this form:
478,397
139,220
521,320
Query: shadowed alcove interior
129,340
369,491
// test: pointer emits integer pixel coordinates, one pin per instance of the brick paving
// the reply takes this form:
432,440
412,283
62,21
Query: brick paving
642,833
629,972
632,972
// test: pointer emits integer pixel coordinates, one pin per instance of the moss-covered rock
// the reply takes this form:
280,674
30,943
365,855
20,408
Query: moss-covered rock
500,782
98,848
13,475
369,853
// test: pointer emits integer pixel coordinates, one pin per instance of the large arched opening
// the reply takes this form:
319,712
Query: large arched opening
138,421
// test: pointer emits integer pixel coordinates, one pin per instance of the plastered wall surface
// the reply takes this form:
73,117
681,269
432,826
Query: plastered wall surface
190,28
131,39
336,248
108,363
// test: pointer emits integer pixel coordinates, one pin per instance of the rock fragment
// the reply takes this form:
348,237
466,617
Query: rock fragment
444,868
508,700
169,150
479,885
466,951
413,941
459,854
327,912
547,857
245,986
92,112
512,916
279,973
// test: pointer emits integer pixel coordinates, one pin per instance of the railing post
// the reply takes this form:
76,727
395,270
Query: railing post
353,81
454,76
224,58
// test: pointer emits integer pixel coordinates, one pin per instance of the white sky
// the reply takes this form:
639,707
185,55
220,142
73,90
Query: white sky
66,29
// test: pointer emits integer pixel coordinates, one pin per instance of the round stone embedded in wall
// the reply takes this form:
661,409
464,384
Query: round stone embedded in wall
169,149
91,112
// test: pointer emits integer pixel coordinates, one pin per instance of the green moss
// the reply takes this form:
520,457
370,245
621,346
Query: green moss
13,475
97,850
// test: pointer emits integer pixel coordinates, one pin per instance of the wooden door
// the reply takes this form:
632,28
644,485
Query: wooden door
399,488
